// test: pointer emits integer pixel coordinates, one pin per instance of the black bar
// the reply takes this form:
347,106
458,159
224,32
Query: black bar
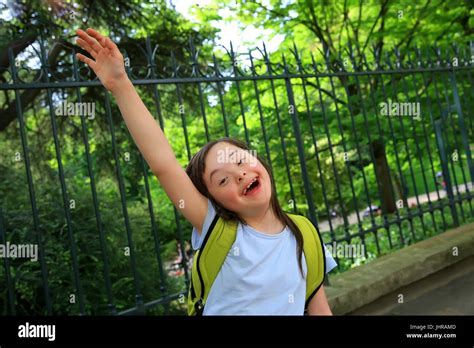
221,330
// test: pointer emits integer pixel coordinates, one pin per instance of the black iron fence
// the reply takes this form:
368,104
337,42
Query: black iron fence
375,150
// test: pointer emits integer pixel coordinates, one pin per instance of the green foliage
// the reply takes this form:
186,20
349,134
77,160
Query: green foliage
26,275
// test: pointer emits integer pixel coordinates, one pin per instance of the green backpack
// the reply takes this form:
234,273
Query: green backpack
216,245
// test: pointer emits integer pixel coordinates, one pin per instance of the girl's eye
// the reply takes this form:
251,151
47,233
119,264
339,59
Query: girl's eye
240,162
222,181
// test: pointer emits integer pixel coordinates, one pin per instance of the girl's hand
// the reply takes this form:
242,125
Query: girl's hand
108,64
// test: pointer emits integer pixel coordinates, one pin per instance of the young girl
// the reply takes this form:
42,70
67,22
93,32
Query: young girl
223,178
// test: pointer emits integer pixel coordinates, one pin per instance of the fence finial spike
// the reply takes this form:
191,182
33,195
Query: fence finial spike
295,49
265,49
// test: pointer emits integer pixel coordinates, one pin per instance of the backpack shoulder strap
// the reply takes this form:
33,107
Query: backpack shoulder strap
208,261
314,254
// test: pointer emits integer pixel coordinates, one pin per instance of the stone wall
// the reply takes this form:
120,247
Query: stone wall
360,286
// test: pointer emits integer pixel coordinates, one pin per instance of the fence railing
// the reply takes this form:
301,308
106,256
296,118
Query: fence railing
375,150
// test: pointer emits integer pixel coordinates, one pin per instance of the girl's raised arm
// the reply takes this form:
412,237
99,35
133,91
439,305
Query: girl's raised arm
108,65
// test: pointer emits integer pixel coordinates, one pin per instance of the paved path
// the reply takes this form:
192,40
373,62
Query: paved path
424,198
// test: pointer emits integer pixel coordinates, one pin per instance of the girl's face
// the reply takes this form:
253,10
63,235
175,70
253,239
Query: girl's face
237,180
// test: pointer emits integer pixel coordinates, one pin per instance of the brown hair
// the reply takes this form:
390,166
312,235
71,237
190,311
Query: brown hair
195,171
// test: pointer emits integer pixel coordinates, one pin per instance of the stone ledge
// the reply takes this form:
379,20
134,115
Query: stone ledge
365,284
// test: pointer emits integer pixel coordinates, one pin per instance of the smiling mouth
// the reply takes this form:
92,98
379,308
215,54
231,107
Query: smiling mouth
255,184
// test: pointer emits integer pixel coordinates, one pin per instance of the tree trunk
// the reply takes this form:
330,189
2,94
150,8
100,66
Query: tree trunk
387,194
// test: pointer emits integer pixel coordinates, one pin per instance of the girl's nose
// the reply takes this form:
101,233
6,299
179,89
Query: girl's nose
240,177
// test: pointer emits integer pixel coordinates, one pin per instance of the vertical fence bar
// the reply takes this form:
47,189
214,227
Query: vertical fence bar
156,238
144,167
409,157
62,180
418,150
330,147
426,84
344,147
462,124
394,83
181,108
440,108
299,143
466,93
31,189
449,115
467,58
280,131
444,165
188,152
260,112
397,160
382,143
6,265
195,70
316,149
371,151
136,280
239,92
465,144
95,201
352,114
219,92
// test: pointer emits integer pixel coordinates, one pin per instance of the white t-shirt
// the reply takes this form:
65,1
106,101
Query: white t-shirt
260,275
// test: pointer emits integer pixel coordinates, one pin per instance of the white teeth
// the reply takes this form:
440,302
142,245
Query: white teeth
250,183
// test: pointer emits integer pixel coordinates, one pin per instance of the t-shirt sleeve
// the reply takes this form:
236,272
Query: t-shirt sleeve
330,262
196,239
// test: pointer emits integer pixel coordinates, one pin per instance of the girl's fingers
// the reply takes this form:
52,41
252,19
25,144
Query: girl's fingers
97,41
96,35
104,41
87,47
112,46
86,60
90,40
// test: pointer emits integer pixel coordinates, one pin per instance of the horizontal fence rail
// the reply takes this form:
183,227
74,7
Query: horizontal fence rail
375,150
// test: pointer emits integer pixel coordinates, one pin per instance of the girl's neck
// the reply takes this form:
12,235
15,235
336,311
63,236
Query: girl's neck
267,222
